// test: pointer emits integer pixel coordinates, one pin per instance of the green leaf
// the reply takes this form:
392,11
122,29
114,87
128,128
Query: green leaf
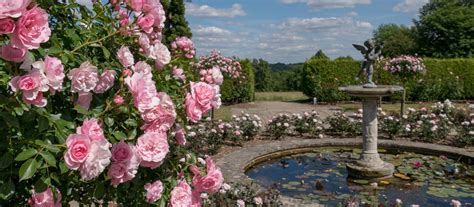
54,50
106,52
132,134
131,122
109,121
49,158
6,160
7,190
28,169
64,59
42,184
43,124
47,145
26,154
119,135
99,191
63,168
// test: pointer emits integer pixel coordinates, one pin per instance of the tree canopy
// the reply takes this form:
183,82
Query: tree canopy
320,55
397,39
175,24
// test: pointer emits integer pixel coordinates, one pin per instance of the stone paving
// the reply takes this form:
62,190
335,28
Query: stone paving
234,164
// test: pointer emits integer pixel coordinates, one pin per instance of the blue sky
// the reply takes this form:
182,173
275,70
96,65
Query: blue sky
291,30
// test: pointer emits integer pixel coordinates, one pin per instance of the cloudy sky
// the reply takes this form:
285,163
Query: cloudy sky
291,31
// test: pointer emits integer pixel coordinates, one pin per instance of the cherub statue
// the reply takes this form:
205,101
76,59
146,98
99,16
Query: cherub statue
370,52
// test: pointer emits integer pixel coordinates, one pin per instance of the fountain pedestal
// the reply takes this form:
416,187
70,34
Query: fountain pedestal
369,164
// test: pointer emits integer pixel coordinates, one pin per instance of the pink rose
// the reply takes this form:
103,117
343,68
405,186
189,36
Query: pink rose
13,53
54,72
39,101
30,84
146,23
127,72
180,137
14,9
258,201
92,129
155,8
125,56
44,199
142,67
118,100
181,195
125,162
185,45
217,76
32,29
193,111
160,53
178,73
136,5
162,117
97,161
196,199
203,94
106,81
144,41
143,91
84,100
84,78
7,26
210,183
153,191
152,148
240,203
78,148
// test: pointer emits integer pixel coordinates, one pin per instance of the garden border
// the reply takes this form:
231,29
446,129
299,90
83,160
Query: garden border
235,164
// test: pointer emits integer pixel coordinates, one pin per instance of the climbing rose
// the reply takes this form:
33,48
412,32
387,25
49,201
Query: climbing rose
178,73
155,8
193,111
205,95
14,9
7,26
30,84
152,148
136,5
13,53
181,195
78,148
106,81
118,100
84,78
92,129
162,117
125,162
153,191
44,199
160,53
97,161
125,56
39,101
146,23
32,29
240,203
210,183
54,72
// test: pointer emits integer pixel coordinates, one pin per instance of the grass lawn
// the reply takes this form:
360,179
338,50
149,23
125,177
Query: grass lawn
281,96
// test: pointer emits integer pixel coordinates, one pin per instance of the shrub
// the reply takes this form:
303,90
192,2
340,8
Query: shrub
444,79
345,125
240,90
279,126
249,125
307,123
243,195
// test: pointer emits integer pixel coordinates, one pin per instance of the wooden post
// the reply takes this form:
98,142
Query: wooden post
402,109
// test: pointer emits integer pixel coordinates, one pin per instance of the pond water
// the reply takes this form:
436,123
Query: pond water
321,176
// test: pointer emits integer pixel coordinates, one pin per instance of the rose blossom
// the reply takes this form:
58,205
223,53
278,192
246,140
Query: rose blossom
44,199
84,78
258,201
152,148
142,67
455,203
240,203
125,162
32,29
92,129
125,56
180,137
162,117
143,91
39,101
181,195
155,8
7,26
204,95
217,76
30,84
106,81
121,152
153,191
54,72
14,9
13,53
210,183
146,23
78,148
160,53
179,73
118,100
193,111
84,100
97,161
136,5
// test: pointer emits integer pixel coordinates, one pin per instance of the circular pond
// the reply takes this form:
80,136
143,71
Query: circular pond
321,176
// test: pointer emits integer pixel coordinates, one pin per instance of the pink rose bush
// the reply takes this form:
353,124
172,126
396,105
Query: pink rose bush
130,129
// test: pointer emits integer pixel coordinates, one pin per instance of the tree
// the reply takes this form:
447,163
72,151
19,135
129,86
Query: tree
175,24
445,28
397,40
344,58
263,75
320,55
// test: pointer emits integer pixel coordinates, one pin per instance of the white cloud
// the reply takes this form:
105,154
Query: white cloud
352,14
208,11
409,6
212,31
318,4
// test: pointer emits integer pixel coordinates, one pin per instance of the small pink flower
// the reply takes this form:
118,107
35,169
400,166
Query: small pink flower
180,136
118,100
153,191
258,201
181,195
13,53
92,129
136,5
7,26
54,72
142,67
39,101
125,56
210,183
106,81
240,203
127,72
146,23
97,161
125,162
179,73
160,53
44,199
155,8
32,29
152,148
418,164
124,22
193,111
14,9
84,78
78,148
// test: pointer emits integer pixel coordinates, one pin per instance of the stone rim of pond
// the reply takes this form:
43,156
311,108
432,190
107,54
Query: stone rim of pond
235,164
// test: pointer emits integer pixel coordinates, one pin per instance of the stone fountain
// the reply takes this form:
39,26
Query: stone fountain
369,165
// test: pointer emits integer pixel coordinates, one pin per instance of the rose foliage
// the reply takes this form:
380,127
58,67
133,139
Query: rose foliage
94,107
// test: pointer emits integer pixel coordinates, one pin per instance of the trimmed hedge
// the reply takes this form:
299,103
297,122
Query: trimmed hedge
444,79
239,90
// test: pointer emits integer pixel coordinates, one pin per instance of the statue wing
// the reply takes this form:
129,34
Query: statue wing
378,48
361,48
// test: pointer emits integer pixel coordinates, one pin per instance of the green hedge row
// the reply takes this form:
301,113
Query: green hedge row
240,90
444,79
